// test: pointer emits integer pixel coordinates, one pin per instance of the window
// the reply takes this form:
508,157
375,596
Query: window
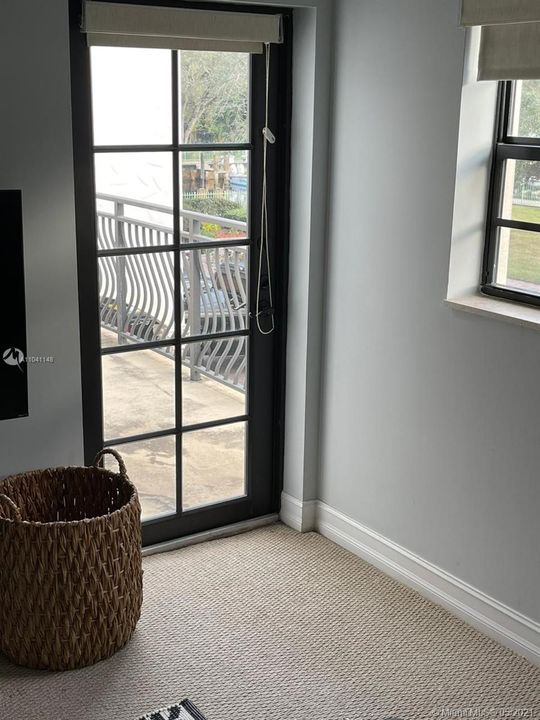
512,254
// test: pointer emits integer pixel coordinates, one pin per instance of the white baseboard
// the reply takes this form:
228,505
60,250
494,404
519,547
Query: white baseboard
493,618
297,514
498,621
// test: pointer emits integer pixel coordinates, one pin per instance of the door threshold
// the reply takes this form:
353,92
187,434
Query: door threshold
214,534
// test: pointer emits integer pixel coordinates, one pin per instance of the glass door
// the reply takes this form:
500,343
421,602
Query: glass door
184,384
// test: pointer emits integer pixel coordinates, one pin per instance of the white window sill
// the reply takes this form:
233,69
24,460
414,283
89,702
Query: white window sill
524,315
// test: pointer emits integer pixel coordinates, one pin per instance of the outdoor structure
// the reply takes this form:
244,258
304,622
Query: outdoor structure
137,292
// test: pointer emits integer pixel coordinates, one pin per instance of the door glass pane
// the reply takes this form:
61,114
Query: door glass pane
214,375
151,467
132,105
214,103
518,260
213,467
131,96
214,290
136,298
525,115
137,186
118,227
521,192
138,392
214,195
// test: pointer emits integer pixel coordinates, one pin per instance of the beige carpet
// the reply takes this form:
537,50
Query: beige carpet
276,625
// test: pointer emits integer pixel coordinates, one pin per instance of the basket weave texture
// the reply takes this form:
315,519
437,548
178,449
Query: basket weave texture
70,565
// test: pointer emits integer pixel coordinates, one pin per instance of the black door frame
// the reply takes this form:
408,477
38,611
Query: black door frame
269,391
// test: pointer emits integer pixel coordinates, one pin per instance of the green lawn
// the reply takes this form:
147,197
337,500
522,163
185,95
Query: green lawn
524,260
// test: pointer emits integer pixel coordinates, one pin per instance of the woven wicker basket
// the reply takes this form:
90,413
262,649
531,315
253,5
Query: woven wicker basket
70,565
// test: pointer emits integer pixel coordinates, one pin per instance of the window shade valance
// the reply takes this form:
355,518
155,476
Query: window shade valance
116,24
510,43
510,52
499,12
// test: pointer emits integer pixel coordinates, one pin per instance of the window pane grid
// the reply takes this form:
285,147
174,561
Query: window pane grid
517,225
177,229
169,147
178,199
126,252
512,256
127,439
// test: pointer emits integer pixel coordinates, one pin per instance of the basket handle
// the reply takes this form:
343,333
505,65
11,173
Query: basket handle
12,507
115,454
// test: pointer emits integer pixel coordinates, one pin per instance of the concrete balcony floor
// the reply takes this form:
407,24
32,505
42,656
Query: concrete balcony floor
138,389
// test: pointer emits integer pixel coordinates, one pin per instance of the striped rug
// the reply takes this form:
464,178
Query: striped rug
185,710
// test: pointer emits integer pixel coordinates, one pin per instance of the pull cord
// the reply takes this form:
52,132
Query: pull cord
264,252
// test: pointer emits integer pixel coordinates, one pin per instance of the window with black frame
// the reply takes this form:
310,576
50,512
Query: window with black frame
512,257
507,35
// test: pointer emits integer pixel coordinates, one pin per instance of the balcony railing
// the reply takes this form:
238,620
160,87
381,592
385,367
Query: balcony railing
137,290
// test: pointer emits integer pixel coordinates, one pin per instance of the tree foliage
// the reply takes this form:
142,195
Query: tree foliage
215,91
529,126
217,205
529,121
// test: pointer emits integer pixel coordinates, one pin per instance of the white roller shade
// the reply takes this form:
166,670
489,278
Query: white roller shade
116,24
510,43
170,43
510,52
499,12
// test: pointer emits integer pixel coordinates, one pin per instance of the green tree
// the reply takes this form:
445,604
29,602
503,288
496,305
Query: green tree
215,92
529,121
529,126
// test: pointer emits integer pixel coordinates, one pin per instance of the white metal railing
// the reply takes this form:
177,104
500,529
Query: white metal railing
137,290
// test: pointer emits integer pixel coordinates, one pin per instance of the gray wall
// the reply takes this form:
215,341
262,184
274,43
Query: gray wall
36,155
430,416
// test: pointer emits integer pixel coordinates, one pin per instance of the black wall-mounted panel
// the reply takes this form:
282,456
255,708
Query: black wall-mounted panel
13,367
